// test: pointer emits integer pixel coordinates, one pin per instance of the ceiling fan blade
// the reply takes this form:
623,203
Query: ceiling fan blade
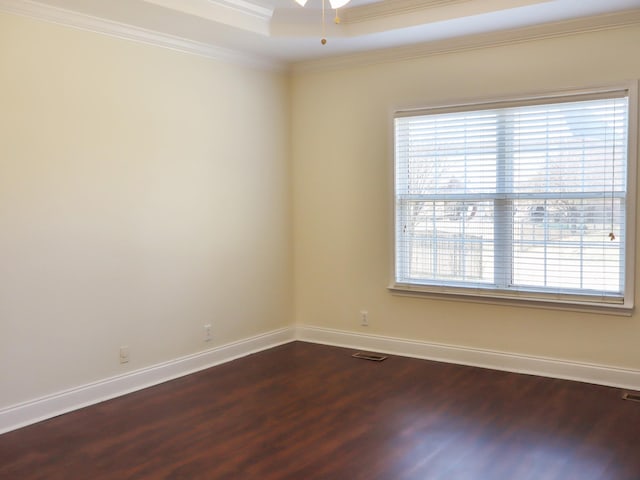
338,3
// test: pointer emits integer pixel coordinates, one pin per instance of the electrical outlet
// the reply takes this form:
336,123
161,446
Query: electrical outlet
207,332
124,354
364,318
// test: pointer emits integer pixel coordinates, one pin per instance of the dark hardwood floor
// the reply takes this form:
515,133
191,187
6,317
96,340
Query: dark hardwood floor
304,411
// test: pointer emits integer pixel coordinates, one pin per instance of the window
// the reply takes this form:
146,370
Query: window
524,199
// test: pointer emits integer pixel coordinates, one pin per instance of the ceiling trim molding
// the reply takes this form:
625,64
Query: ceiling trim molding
247,8
239,14
389,8
474,42
420,11
68,18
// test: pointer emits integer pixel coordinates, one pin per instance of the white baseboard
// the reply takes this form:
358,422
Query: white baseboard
545,367
33,411
50,406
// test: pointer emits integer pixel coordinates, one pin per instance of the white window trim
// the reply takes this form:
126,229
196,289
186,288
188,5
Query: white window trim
528,299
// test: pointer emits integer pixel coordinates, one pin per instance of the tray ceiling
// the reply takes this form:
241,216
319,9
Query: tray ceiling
282,32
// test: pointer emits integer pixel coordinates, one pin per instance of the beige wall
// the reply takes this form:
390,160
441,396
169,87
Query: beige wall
133,208
341,134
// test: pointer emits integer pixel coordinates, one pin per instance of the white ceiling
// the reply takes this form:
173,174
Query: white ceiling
282,32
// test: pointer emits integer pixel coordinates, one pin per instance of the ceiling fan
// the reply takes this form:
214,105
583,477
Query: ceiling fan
335,4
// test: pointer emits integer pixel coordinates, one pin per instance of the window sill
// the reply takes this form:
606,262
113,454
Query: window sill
493,298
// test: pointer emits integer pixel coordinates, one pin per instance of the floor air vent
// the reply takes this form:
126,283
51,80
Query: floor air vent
374,357
634,397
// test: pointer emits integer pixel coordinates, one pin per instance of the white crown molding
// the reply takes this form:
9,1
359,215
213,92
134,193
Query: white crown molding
421,10
390,8
248,8
234,13
68,18
33,411
238,6
473,42
510,362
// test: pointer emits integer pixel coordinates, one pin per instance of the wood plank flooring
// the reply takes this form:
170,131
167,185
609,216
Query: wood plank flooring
304,412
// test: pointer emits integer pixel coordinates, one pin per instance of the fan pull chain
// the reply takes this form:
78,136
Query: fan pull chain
336,20
324,38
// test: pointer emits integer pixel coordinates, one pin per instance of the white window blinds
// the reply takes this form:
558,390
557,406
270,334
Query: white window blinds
519,199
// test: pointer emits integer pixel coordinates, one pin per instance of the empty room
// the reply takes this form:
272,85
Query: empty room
304,240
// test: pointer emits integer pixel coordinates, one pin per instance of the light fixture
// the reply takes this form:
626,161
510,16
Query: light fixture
335,4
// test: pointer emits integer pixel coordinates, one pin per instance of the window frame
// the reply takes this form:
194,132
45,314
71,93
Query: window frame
572,302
